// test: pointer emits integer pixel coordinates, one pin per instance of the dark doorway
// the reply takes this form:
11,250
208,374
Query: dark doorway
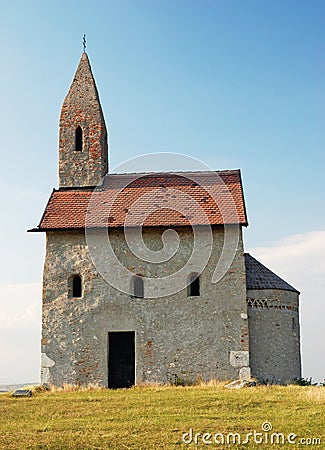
121,359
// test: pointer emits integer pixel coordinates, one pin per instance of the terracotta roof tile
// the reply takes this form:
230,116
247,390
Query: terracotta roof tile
151,199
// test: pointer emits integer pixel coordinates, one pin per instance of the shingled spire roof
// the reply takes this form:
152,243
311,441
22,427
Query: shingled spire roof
260,277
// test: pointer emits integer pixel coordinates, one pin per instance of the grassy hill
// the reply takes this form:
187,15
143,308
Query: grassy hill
157,418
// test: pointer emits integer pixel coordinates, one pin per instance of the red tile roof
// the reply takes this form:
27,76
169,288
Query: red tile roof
150,199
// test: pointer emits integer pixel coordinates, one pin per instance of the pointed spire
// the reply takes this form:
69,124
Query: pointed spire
83,136
83,87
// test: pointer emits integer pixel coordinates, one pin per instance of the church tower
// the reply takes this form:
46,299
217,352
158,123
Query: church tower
83,149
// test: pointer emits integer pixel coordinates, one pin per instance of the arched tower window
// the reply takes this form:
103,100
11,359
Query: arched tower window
78,146
138,287
193,288
76,286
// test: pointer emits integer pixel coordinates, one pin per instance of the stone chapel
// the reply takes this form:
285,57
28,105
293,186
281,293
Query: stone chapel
117,318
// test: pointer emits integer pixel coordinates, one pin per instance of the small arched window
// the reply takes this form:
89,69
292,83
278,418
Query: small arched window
293,326
193,288
76,286
78,146
138,287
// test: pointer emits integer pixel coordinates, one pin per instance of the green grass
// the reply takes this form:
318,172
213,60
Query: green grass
156,417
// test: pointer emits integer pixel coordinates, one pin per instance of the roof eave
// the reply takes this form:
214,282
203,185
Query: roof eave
243,197
40,229
273,289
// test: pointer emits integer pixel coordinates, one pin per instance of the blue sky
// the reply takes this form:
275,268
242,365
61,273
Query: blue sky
236,84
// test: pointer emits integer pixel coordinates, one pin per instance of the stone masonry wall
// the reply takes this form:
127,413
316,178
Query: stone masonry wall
273,318
81,107
175,336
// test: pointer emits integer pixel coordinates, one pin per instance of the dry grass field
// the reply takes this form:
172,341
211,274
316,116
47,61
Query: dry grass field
158,417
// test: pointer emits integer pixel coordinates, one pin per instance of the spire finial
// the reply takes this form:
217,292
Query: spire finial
84,42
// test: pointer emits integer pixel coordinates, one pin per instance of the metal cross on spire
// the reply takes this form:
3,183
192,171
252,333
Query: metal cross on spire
84,42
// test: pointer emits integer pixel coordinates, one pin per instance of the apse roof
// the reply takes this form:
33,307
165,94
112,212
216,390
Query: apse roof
260,277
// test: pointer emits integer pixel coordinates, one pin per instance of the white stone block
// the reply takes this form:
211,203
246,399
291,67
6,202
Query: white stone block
245,373
46,361
239,358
